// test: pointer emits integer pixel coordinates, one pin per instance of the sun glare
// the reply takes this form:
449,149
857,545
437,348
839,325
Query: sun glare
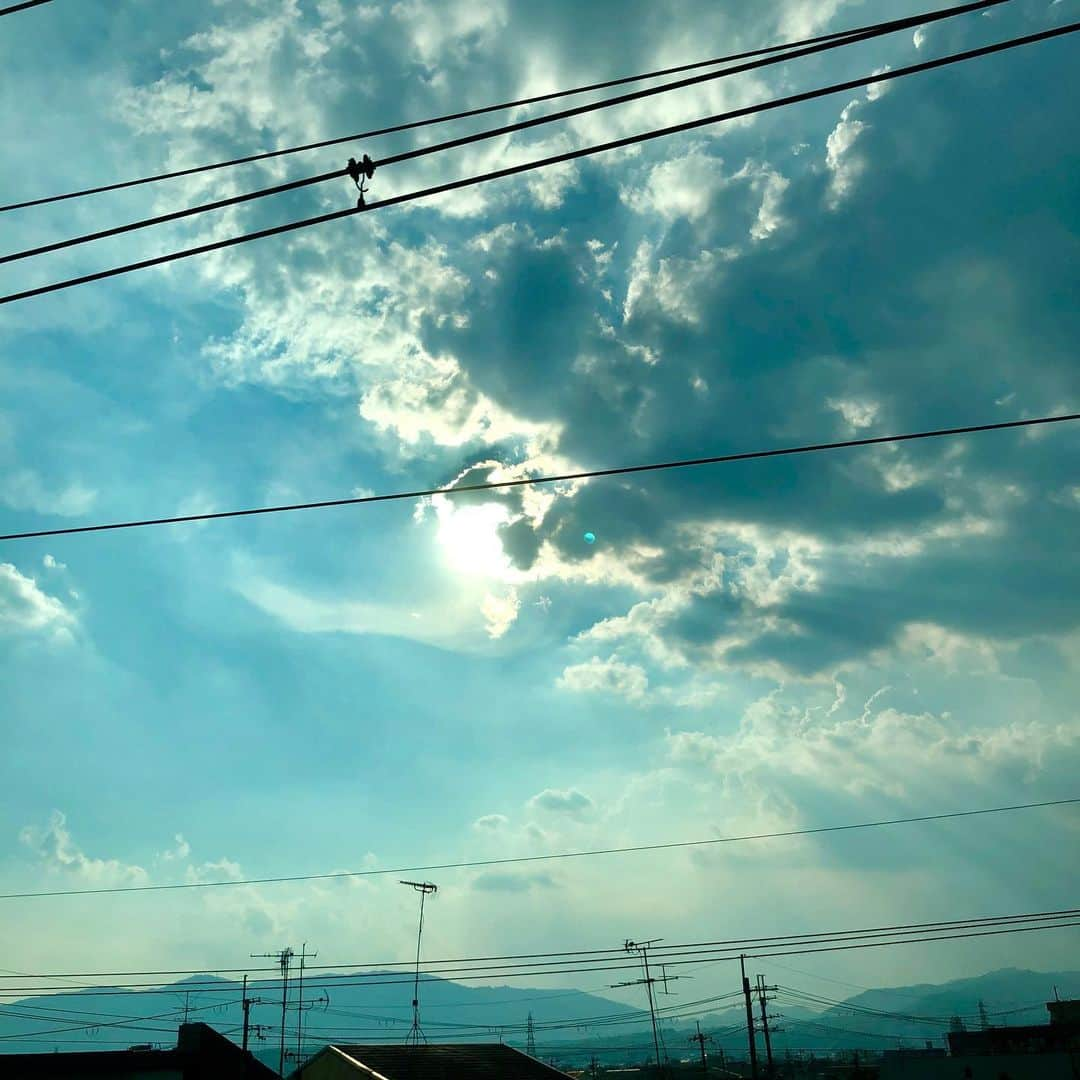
470,540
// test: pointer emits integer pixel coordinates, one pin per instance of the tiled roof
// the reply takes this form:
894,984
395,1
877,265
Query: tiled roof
449,1062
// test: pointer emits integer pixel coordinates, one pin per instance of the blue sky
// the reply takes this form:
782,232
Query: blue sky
772,645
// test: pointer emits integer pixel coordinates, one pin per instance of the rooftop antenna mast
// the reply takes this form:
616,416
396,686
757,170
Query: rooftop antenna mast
642,949
416,1035
284,959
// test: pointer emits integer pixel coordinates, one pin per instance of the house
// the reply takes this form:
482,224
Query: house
200,1054
1031,1052
428,1062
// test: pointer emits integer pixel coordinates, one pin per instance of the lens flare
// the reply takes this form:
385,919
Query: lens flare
590,538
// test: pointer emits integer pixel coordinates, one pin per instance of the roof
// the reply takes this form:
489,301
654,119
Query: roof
434,1061
201,1052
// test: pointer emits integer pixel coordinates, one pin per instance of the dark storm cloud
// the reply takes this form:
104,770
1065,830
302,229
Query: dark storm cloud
940,288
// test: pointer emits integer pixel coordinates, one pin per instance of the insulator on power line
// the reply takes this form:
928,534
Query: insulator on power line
365,167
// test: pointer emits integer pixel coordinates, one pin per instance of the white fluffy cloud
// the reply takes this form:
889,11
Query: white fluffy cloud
25,607
609,676
841,158
57,849
882,751
491,822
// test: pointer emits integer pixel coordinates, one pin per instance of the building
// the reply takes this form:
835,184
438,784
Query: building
200,1054
428,1062
1032,1052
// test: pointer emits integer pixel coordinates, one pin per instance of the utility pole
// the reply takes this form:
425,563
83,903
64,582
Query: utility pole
749,1017
761,989
642,947
530,1042
416,1035
246,1004
284,959
701,1039
304,954
248,1025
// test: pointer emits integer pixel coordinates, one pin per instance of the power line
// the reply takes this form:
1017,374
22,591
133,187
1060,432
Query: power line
438,967
448,117
585,474
913,940
517,860
789,948
555,159
850,37
12,8
661,952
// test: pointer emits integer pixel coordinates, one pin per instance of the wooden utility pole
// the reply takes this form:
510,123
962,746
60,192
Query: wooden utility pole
701,1039
749,1017
761,989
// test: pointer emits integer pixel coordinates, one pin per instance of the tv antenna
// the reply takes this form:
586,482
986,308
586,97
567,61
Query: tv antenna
642,949
416,1035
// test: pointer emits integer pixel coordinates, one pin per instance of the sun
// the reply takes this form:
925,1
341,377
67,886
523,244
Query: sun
470,540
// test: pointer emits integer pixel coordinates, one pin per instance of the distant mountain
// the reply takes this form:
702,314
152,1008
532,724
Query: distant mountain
377,1008
367,1007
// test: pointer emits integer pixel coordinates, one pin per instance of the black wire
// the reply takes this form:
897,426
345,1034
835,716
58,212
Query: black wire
913,941
12,8
851,37
581,956
623,470
800,951
555,159
659,951
859,35
446,118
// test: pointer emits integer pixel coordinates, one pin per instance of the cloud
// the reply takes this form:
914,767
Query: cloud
56,848
491,822
554,801
222,869
880,751
841,158
25,607
516,883
609,676
500,612
24,489
178,853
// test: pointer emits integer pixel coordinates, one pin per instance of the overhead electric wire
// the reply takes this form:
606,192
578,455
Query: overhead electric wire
12,8
432,966
131,1023
555,159
912,940
500,485
849,38
449,969
799,950
412,125
676,956
519,859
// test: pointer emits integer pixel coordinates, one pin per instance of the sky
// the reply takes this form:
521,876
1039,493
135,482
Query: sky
764,646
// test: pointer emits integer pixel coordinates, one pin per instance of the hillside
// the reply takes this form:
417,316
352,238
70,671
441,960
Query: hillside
571,1025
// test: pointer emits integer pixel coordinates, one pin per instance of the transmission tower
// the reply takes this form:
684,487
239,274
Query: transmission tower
416,1035
530,1043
